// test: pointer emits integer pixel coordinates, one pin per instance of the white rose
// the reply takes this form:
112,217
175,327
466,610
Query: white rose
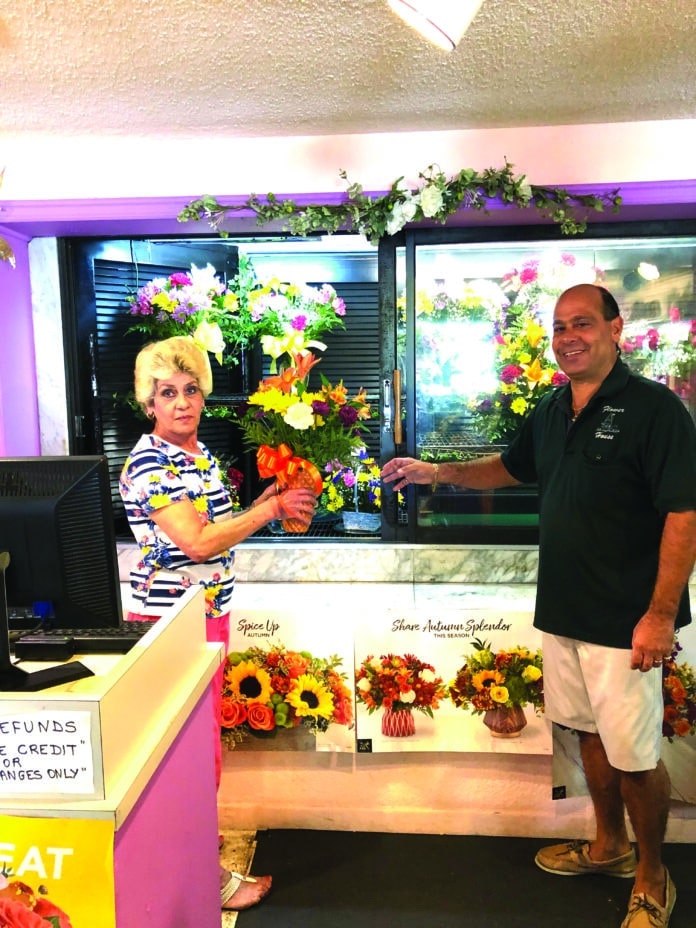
408,697
431,200
427,676
402,213
364,685
299,416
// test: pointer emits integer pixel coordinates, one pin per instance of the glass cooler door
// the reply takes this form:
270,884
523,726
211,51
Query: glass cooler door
473,349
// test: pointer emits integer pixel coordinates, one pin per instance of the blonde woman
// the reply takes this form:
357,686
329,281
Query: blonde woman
182,518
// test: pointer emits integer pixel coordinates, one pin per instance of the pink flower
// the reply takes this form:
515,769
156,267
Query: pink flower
674,314
510,373
559,378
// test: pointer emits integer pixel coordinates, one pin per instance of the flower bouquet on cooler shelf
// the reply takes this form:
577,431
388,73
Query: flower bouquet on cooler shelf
679,694
224,317
354,491
195,303
398,684
232,479
667,354
498,685
268,691
289,318
524,363
471,301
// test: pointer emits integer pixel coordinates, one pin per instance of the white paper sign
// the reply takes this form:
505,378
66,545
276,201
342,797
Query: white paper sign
46,752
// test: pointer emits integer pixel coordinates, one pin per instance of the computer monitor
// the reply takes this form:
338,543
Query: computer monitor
57,524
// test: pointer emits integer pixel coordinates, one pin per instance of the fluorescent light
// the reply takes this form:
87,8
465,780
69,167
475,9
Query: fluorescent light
442,22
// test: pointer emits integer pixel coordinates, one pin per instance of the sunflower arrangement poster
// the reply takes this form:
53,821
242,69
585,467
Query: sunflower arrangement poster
678,730
429,679
288,683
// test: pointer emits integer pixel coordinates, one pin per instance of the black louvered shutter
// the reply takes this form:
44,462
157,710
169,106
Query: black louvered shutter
353,353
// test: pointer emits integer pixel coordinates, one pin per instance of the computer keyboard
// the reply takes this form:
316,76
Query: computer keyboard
58,644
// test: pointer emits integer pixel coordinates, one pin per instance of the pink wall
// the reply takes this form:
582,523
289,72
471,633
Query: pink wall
19,418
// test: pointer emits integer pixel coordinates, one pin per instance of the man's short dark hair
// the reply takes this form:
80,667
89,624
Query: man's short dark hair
610,308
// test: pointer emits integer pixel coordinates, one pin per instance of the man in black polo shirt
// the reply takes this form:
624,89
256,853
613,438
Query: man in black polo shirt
614,456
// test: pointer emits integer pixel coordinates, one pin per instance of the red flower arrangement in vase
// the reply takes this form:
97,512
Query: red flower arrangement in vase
398,684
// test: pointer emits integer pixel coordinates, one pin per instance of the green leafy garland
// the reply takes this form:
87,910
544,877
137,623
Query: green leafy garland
437,197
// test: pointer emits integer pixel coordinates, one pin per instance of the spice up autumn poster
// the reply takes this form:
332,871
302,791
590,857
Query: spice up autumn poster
288,682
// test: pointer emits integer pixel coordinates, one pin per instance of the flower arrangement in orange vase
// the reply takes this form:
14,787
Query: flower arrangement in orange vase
493,679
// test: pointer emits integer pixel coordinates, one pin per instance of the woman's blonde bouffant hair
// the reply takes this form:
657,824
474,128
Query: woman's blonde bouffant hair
160,360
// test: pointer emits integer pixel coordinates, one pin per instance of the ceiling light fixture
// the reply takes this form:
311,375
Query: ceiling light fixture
442,22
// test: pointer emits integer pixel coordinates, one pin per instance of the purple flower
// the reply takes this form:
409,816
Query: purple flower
320,408
299,323
339,306
348,415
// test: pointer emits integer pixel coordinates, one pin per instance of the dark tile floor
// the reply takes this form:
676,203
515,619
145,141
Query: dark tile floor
327,879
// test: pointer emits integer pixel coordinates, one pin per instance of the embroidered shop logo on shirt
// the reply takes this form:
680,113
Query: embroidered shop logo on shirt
609,426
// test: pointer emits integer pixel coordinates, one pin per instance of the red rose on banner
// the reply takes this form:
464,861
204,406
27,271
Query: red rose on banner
261,718
16,915
47,910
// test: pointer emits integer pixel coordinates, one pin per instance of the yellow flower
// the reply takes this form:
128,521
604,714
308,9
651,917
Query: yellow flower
200,504
486,678
249,682
272,400
290,343
531,674
534,332
499,694
202,464
309,698
519,406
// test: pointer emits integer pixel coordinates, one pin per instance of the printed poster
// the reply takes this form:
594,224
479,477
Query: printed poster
436,644
678,751
289,682
57,867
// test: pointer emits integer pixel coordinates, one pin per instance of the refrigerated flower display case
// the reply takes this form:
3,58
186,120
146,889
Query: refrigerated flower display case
472,323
